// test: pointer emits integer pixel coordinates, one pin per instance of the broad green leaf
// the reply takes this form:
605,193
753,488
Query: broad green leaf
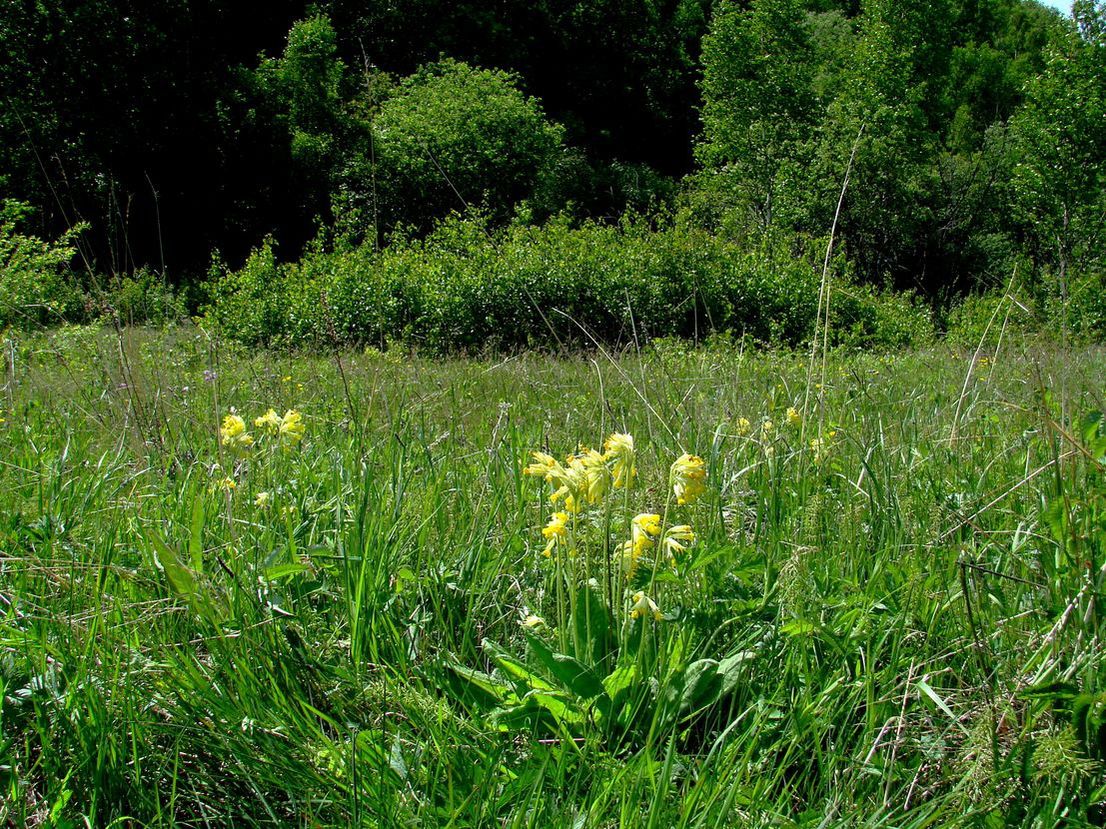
591,625
569,672
701,685
514,667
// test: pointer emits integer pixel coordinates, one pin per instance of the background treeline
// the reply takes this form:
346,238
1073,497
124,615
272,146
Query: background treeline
576,139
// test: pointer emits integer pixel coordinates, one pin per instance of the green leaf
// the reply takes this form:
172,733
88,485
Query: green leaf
569,672
702,685
196,535
925,688
591,625
729,669
514,667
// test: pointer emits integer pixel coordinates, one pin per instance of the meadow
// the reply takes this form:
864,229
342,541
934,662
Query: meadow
253,588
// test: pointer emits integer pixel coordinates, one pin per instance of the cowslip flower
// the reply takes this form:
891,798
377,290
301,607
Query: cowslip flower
262,500
532,621
596,477
743,426
619,448
767,427
269,422
291,427
688,478
227,484
554,531
643,605
644,527
233,433
793,416
676,539
545,466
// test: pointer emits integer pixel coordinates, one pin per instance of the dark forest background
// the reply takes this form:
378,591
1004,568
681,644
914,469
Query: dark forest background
973,131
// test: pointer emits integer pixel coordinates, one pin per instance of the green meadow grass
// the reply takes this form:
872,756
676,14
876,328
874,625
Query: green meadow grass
908,617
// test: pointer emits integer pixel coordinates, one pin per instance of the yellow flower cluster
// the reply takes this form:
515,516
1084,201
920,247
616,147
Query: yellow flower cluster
288,429
587,476
688,478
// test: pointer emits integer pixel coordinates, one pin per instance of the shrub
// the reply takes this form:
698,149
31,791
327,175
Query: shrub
452,130
143,297
36,285
460,289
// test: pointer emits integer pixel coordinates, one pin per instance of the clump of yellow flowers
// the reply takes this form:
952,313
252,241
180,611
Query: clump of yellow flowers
289,430
595,536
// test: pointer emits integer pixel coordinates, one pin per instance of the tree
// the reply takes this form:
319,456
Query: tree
452,136
1060,135
759,105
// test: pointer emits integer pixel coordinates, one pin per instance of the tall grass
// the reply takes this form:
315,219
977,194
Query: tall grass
915,607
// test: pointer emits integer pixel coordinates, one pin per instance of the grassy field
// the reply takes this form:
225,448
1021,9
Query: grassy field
881,611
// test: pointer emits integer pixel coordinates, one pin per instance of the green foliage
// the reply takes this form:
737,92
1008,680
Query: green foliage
1060,134
451,136
144,298
458,289
36,285
890,614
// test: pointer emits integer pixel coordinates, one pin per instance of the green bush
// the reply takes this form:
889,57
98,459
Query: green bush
143,298
983,318
36,285
460,289
452,132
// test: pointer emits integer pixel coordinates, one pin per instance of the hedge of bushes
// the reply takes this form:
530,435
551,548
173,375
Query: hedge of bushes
460,289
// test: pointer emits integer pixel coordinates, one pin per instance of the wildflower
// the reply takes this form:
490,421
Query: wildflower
596,476
743,426
619,448
544,465
793,416
643,526
629,553
817,445
676,539
556,529
262,500
268,422
291,427
233,433
227,484
572,486
767,427
532,621
688,478
643,605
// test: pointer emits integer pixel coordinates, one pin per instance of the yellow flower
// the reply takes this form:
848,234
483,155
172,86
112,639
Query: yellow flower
793,416
572,486
619,448
262,500
643,526
743,426
767,427
643,605
556,529
676,539
688,478
227,484
268,422
233,433
532,621
596,476
544,465
291,427
629,553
